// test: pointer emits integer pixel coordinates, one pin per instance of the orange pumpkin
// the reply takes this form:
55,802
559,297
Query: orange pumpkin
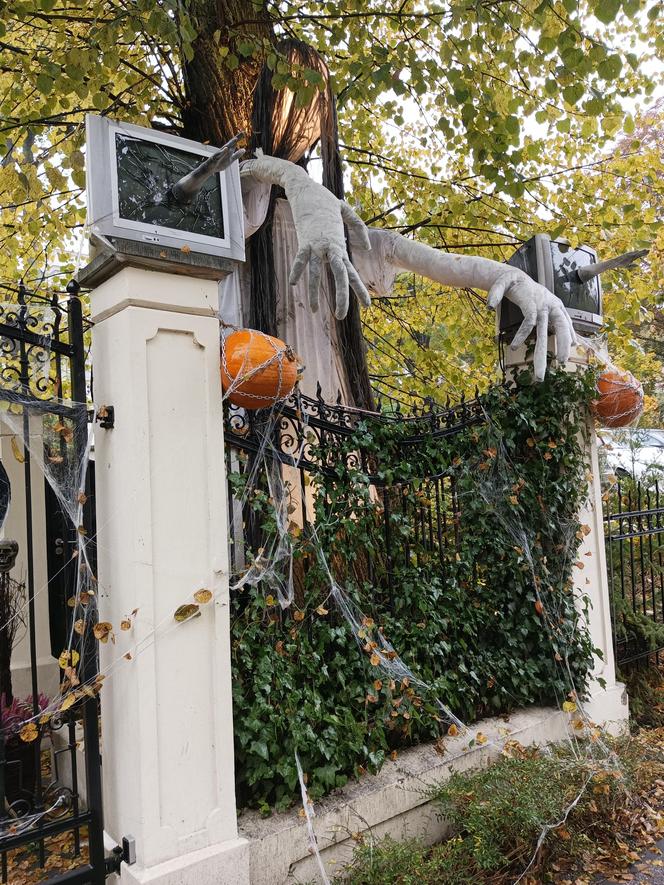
620,400
257,369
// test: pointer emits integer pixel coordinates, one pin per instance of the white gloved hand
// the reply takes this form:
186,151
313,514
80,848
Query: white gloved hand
540,309
319,224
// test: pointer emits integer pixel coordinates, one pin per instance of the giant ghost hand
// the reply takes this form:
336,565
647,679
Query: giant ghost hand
541,309
319,223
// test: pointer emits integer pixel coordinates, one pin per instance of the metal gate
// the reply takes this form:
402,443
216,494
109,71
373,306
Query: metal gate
634,531
51,826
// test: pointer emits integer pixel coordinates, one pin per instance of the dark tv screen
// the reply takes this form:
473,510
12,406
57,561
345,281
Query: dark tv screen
565,261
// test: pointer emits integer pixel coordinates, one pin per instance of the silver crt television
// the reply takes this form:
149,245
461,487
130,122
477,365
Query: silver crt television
129,173
554,264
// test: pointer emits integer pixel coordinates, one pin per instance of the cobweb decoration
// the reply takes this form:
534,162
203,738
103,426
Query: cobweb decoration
59,445
374,642
584,739
309,814
54,436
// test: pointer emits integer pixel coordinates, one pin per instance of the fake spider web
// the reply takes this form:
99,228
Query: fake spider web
59,446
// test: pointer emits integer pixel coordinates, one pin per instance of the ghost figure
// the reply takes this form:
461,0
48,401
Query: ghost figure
300,267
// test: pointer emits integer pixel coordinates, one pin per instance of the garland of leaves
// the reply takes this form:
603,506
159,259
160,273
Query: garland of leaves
491,625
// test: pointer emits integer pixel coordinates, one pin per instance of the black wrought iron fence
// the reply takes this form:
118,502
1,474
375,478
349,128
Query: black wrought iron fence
634,528
420,525
50,788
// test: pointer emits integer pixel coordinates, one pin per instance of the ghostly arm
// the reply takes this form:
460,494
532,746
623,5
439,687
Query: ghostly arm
319,224
186,188
540,307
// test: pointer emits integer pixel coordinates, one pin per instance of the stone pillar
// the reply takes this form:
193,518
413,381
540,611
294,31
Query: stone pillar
607,704
167,721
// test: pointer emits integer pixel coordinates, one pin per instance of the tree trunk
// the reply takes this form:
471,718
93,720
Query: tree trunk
219,104
219,99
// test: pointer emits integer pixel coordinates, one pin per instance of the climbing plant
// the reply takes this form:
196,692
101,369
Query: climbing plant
489,621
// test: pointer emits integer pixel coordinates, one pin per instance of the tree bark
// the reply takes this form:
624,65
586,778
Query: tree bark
219,99
219,105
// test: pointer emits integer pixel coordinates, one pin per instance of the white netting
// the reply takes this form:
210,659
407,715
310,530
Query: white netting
620,398
59,445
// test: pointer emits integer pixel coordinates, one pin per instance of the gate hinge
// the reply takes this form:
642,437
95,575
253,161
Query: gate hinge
125,853
106,417
113,861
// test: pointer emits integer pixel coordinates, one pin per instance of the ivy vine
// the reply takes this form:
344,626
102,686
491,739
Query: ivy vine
486,615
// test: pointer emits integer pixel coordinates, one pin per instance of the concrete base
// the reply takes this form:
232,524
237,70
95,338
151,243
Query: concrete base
394,802
223,864
609,708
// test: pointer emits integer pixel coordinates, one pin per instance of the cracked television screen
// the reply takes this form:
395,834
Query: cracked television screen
146,172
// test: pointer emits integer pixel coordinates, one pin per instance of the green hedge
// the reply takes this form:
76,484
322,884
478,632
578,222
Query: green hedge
473,630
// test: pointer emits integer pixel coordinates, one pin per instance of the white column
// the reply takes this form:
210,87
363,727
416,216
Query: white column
167,721
607,703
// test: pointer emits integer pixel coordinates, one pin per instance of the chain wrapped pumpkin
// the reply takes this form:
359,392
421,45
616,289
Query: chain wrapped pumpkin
257,370
620,398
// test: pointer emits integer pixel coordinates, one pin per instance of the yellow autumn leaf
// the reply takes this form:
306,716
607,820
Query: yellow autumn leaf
569,706
19,455
102,630
298,616
68,658
29,732
184,612
374,659
481,738
453,731
203,596
321,610
270,600
125,624
79,626
69,701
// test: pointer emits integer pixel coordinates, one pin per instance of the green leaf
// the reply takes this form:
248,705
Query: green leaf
606,10
45,83
610,68
260,749
572,94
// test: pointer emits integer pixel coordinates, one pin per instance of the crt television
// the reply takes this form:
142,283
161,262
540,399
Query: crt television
554,264
129,173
